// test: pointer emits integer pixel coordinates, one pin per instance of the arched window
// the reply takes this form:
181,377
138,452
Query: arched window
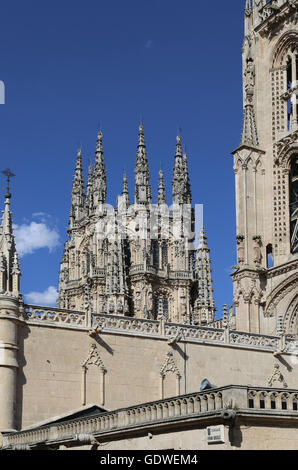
155,249
292,77
161,306
269,256
294,204
164,255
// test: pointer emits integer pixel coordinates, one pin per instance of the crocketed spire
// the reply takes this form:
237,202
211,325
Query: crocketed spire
9,263
180,183
99,174
77,194
204,308
142,186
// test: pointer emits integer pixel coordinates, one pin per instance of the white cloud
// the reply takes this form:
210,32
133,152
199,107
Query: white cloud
33,236
47,298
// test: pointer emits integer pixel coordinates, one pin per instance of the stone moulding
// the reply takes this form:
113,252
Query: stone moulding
116,324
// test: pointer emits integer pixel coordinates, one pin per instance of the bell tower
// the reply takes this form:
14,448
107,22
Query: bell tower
265,166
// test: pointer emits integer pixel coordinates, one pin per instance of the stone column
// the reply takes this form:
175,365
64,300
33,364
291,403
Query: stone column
9,319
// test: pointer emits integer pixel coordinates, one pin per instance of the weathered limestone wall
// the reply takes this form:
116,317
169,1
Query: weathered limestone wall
271,437
50,378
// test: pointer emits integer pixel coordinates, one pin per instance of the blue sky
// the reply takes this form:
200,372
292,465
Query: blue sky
70,66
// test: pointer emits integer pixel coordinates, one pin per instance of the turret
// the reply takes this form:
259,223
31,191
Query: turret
11,316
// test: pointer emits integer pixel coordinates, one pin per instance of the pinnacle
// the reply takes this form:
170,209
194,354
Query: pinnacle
141,142
161,196
249,132
178,146
125,185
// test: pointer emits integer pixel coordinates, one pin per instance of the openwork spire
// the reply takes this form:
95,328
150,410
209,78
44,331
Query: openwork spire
161,196
142,186
204,308
99,174
77,194
180,183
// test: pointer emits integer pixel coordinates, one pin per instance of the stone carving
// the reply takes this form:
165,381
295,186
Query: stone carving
257,250
277,377
240,250
169,365
93,358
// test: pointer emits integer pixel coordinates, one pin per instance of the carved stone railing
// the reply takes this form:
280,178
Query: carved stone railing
180,275
200,405
139,268
34,313
159,329
131,417
254,340
189,332
126,324
272,399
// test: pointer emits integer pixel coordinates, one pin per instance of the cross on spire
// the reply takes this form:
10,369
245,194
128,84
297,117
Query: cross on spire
8,173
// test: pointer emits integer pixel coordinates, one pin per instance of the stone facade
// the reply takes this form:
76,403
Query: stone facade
265,166
135,322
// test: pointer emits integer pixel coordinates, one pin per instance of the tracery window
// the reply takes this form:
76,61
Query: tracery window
294,204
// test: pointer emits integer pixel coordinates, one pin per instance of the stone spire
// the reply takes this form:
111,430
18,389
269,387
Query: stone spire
187,186
180,182
89,192
249,132
77,194
99,174
204,308
9,264
125,187
142,186
161,196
